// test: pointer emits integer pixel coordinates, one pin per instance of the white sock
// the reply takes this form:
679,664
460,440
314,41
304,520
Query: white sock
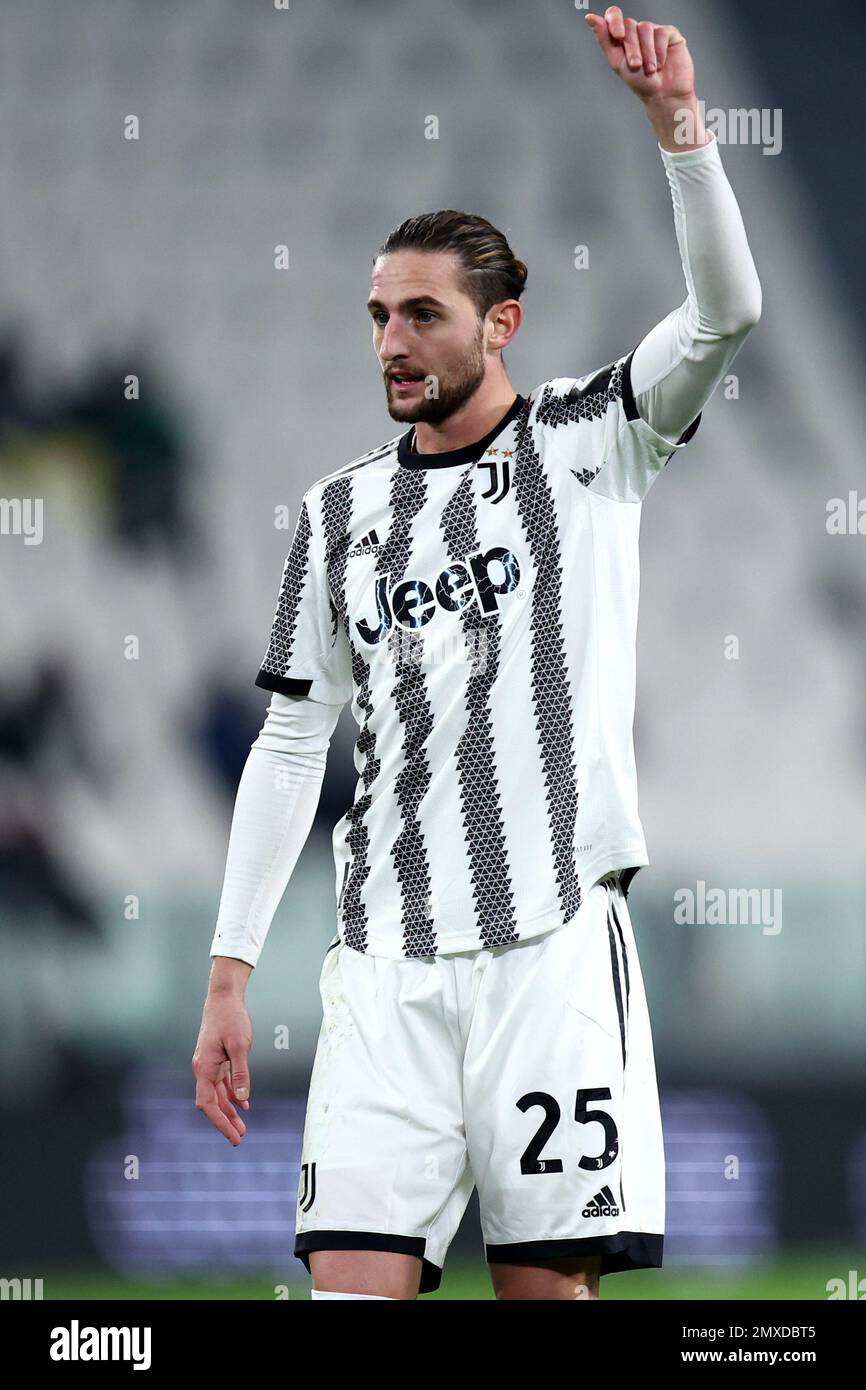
321,1293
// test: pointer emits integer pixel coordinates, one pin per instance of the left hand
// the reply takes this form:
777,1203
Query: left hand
652,59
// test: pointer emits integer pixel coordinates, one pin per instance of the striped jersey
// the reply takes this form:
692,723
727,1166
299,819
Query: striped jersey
479,608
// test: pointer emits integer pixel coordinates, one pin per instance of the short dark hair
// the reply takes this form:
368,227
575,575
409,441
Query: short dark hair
490,272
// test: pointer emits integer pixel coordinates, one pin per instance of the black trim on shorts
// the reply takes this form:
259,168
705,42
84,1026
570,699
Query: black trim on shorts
283,685
619,1253
307,1241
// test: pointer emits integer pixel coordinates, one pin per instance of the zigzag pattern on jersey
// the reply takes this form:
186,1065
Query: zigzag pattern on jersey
480,802
295,572
551,692
408,493
585,475
409,693
587,402
336,517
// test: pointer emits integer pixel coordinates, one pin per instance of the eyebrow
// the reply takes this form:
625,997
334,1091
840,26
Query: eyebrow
408,303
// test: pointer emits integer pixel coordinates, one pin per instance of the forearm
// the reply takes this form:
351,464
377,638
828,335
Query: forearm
275,806
679,363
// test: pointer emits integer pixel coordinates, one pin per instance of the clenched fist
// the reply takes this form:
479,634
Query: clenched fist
652,59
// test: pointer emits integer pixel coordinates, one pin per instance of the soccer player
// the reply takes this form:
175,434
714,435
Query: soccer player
472,586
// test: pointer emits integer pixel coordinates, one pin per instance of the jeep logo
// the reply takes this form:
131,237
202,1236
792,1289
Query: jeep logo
412,603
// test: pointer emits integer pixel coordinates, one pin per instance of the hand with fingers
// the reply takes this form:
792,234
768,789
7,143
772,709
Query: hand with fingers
652,59
221,1064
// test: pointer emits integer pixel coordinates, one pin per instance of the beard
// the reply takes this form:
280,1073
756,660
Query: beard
454,390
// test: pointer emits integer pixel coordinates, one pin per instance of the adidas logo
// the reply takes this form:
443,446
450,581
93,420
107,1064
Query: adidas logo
367,545
602,1204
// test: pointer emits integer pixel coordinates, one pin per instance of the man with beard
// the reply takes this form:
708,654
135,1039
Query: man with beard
471,585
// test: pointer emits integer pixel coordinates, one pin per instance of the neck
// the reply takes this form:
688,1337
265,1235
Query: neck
475,418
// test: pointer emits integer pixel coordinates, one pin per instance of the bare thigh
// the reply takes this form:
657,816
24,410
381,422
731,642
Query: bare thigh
366,1271
549,1279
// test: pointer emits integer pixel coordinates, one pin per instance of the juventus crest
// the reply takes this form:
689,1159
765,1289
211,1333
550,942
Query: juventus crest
307,1194
500,473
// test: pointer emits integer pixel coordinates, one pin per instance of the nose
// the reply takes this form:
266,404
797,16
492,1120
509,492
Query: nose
392,344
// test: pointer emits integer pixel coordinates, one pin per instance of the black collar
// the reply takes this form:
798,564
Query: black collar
469,453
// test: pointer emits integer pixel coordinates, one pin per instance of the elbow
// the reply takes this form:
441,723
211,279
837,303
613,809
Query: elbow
746,313
736,324
732,319
752,308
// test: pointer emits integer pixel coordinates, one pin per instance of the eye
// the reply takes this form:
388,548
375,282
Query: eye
378,315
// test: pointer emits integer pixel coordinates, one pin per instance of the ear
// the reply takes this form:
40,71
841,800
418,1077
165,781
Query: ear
504,319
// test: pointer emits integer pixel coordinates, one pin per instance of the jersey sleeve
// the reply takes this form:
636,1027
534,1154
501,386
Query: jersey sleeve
308,651
275,805
594,427
633,452
639,411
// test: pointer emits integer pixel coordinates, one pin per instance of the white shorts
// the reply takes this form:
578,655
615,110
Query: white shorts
525,1069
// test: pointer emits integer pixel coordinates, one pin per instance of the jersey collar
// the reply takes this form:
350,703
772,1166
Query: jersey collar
469,453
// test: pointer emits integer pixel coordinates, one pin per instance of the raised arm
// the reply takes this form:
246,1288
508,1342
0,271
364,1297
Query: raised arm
678,364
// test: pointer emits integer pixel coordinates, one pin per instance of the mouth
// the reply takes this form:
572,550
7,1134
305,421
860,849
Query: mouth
403,384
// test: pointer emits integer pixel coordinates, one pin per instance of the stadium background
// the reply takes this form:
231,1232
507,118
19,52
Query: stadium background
132,633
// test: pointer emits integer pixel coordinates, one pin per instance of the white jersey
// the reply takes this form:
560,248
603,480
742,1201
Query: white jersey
479,607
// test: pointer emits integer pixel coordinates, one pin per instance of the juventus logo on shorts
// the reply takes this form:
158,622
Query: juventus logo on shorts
500,474
307,1194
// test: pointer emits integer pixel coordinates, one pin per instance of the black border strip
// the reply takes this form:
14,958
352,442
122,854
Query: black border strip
621,1252
629,404
687,434
625,878
467,453
283,685
307,1241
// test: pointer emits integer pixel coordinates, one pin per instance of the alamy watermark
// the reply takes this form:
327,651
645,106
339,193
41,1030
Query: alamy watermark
737,126
22,516
703,906
20,1289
